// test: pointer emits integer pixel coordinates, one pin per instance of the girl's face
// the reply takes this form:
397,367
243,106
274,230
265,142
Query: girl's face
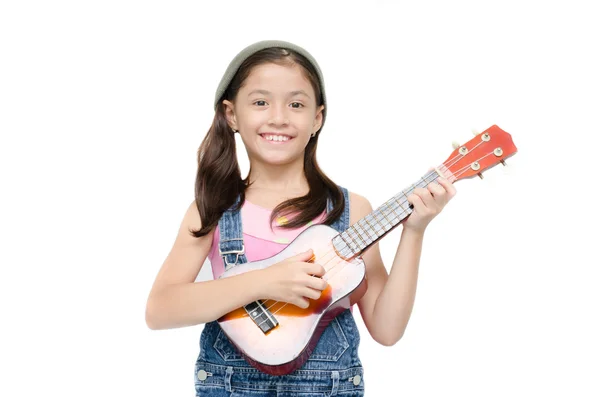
275,112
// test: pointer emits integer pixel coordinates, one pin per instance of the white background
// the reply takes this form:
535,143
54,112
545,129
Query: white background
103,106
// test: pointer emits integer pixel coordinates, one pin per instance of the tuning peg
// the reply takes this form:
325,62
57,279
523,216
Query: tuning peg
480,175
474,131
503,163
455,145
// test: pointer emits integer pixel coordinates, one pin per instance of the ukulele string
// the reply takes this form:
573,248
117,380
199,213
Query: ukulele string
385,212
345,263
459,157
392,211
464,169
449,163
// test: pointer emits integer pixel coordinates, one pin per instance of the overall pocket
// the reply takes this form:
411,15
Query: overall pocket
225,348
332,343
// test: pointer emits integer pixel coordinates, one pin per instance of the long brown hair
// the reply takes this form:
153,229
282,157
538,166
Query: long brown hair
219,181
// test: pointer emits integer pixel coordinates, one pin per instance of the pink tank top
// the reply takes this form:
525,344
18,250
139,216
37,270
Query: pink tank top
259,241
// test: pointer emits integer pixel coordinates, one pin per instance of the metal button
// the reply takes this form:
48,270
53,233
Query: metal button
202,374
356,380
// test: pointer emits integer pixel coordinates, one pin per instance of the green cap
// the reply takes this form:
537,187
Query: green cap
261,45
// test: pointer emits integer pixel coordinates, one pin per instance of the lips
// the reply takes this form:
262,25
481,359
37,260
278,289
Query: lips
275,141
264,134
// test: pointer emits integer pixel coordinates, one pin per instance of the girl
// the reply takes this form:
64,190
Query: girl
273,95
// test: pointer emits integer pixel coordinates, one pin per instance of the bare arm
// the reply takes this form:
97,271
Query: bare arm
177,301
387,305
388,302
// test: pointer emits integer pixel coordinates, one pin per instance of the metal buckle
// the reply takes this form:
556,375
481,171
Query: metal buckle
237,252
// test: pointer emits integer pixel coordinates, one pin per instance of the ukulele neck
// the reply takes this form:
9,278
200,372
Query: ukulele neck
376,225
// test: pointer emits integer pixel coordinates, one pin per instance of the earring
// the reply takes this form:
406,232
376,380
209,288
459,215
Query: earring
313,134
234,130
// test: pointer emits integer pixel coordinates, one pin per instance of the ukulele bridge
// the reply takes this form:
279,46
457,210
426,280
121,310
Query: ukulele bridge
261,316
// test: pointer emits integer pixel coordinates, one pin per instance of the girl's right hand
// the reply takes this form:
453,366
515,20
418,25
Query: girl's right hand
291,280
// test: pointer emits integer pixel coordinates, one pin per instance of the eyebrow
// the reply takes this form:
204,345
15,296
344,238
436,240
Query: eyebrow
291,93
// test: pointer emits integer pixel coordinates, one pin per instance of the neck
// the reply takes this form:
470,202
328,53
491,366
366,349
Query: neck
373,227
287,177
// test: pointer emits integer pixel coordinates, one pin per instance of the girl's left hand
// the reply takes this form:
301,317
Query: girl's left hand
428,203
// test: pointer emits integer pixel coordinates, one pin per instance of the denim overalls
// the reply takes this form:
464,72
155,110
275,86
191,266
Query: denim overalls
333,369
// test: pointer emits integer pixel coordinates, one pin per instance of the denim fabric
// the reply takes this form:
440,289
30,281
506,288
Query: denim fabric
333,368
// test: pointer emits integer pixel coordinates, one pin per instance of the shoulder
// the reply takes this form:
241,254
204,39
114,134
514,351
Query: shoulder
192,221
192,216
359,207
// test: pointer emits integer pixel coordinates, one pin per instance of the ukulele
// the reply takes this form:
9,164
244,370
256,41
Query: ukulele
276,337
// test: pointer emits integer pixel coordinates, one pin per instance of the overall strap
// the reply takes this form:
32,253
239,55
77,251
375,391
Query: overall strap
231,239
343,222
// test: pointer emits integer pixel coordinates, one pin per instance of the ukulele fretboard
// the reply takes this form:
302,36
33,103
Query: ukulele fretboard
370,229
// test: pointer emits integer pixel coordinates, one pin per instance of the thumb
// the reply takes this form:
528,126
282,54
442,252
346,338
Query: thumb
305,255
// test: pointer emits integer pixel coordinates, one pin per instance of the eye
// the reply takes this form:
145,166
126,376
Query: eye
297,103
260,103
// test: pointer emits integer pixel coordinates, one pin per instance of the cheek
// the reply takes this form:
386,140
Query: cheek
250,120
305,123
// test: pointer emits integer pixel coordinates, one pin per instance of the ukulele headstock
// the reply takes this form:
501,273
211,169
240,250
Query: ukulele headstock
486,150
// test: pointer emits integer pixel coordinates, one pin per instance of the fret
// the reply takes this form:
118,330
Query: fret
404,211
383,213
353,227
346,251
349,233
346,241
371,227
434,175
353,245
364,232
381,220
361,234
394,206
343,239
397,216
376,229
342,246
351,236
377,220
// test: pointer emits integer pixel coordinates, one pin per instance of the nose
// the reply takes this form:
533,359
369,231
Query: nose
278,116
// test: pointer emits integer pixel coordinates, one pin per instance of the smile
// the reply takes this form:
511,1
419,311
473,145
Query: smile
276,139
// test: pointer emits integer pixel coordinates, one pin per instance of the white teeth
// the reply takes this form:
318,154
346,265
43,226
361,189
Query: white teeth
278,138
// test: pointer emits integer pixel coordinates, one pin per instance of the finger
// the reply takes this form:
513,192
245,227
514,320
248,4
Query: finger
300,302
311,293
303,256
315,269
417,203
439,192
426,197
316,283
436,189
446,184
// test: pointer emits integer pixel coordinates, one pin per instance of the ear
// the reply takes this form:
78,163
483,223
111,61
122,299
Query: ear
230,114
318,119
